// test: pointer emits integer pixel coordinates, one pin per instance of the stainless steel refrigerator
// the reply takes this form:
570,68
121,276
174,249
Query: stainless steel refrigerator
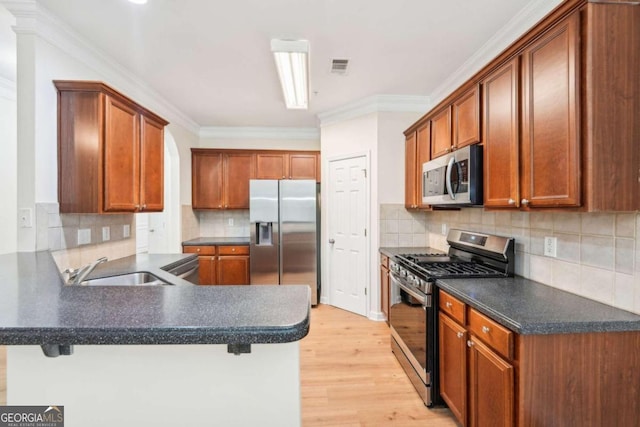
284,234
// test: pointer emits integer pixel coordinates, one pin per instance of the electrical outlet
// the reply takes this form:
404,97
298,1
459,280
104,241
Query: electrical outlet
444,229
26,218
106,234
84,236
550,246
126,230
230,221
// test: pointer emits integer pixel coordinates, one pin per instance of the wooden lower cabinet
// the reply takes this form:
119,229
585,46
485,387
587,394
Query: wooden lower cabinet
491,387
453,366
384,286
222,265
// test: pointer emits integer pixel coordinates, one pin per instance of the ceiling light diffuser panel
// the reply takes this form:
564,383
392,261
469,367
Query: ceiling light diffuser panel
292,59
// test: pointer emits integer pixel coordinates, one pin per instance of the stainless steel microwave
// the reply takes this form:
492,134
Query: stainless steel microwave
454,179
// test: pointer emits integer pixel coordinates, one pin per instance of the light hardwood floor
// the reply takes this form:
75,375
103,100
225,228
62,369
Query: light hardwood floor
349,376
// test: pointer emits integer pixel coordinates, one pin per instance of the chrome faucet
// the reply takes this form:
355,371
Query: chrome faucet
75,277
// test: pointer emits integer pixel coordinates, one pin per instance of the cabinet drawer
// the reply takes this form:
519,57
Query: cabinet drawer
233,250
384,260
453,307
200,250
496,336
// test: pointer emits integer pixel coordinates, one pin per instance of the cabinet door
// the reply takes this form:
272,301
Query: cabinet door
466,118
384,291
410,171
491,387
453,366
151,165
550,145
206,180
302,166
121,157
441,133
207,270
238,170
500,137
423,154
233,270
271,166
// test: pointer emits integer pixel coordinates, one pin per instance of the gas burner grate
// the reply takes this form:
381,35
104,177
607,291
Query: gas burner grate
458,268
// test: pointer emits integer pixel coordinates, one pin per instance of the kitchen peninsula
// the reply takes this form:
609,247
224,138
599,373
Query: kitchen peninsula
151,355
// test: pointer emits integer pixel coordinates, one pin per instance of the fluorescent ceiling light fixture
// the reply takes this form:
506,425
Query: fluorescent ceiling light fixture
138,1
292,58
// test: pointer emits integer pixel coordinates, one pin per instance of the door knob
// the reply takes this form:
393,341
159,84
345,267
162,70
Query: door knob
332,241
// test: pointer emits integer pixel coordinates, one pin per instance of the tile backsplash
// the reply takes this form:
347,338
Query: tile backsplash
225,223
58,233
399,227
598,254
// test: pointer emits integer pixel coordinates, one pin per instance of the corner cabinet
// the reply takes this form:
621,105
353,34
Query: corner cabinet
110,151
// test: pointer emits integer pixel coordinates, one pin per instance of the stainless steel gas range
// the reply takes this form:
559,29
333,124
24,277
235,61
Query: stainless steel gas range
413,308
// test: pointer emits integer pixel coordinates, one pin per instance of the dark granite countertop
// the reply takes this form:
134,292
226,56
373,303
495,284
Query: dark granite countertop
216,241
529,307
36,308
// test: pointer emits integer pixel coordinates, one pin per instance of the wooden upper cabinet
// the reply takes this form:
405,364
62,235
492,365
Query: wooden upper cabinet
287,165
271,166
238,170
441,133
501,142
550,149
423,155
121,157
151,165
466,118
206,179
303,166
110,151
410,170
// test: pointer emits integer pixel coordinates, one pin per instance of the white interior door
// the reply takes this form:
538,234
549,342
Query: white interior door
348,212
142,233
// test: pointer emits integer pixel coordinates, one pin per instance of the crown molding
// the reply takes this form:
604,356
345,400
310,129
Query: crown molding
7,89
516,27
260,133
33,19
377,104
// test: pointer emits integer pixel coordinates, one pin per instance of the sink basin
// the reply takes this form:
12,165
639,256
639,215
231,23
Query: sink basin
131,279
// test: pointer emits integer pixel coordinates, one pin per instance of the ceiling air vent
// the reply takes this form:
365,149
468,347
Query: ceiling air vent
339,66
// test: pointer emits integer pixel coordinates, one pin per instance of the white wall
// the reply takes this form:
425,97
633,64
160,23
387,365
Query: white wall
8,174
391,155
356,135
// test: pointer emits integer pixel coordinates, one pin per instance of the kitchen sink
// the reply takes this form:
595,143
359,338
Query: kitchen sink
131,279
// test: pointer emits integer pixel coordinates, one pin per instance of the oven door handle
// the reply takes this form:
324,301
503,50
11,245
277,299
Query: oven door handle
408,290
452,160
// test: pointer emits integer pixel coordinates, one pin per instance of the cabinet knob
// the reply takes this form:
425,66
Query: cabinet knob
524,202
219,206
137,207
226,206
511,202
486,329
198,250
460,334
448,304
144,206
283,177
233,249
469,343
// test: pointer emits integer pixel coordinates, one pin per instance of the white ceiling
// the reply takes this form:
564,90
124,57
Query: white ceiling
212,59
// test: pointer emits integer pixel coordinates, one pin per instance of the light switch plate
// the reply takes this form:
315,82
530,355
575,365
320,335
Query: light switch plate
230,222
106,234
550,246
84,236
126,230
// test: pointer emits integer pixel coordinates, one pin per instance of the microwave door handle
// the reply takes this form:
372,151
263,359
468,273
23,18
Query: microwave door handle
452,160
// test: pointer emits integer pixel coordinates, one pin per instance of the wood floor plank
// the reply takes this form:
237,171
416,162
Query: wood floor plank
350,377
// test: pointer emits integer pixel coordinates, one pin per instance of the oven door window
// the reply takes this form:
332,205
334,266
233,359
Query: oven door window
409,319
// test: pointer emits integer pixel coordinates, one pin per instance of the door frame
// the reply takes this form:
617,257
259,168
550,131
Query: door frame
326,267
